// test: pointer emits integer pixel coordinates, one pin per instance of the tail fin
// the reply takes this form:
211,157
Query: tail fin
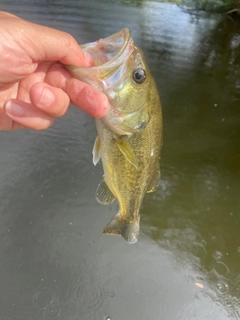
129,230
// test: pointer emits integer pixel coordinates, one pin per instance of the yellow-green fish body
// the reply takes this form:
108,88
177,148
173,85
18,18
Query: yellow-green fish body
130,136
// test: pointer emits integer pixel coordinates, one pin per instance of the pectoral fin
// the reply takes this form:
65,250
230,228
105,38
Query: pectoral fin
137,120
127,150
154,183
104,194
96,151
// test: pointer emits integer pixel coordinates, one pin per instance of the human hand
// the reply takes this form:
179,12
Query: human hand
34,85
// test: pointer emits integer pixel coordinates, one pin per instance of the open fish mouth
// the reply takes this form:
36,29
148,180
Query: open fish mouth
112,50
109,54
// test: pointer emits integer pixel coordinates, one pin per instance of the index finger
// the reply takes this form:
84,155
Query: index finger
43,43
82,95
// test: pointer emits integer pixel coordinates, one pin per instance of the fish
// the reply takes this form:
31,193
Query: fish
129,137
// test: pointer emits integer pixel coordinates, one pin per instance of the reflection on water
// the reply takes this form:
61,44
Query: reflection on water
55,262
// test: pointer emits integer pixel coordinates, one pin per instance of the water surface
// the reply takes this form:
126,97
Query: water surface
55,263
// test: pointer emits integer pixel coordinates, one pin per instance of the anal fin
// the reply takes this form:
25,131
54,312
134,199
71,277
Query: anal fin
129,230
104,194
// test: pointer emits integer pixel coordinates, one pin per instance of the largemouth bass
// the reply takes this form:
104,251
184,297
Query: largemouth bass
129,138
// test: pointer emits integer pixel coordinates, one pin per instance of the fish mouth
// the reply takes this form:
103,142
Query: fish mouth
109,54
112,50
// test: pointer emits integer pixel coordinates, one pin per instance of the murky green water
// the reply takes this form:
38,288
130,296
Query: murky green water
55,263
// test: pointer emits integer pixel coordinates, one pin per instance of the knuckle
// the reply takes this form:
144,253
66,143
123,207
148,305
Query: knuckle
68,39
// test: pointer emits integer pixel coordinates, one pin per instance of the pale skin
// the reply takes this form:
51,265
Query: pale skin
35,87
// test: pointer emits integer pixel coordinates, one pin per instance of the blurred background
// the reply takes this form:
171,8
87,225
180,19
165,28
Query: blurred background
54,261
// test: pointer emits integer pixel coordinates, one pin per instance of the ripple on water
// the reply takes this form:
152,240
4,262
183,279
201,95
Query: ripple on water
42,298
228,303
222,287
220,268
89,294
237,312
112,285
237,286
198,249
180,245
199,278
204,304
217,255
52,311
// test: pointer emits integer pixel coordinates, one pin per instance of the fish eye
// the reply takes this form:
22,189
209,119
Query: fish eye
139,75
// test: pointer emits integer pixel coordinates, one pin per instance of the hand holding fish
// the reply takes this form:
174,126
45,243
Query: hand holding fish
34,86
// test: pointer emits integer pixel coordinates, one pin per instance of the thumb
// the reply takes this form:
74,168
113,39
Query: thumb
55,45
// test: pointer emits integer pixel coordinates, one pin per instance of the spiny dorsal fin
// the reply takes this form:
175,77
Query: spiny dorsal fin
103,194
127,150
96,151
154,183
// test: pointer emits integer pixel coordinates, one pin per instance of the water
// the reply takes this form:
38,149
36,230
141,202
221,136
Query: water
55,263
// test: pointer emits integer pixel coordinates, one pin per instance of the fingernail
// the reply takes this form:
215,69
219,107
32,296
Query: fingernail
88,58
47,98
13,109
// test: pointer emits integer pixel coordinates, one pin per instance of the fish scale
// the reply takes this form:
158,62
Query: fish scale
129,137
